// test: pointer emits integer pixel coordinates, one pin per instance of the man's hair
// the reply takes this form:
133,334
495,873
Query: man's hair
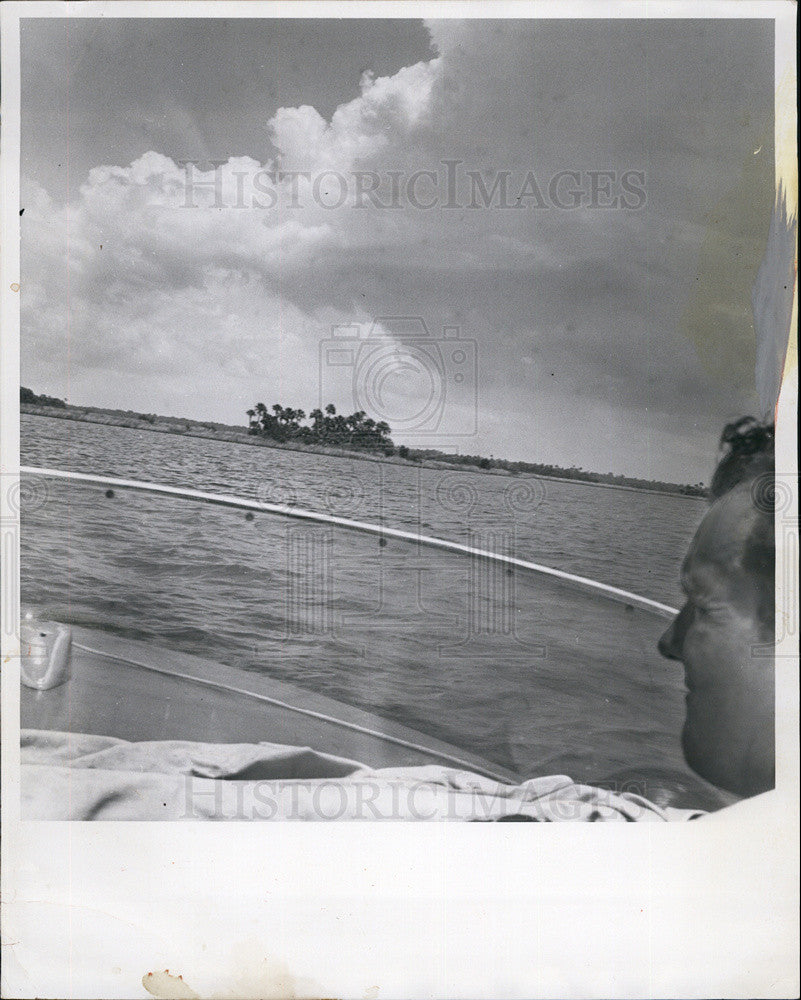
748,453
749,456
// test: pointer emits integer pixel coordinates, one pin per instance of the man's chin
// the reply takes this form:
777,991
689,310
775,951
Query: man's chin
708,761
721,765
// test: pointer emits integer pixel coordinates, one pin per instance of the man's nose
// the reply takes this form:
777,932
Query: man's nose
672,640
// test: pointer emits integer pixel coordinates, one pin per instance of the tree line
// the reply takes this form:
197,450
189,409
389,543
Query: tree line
29,396
358,431
355,430
558,471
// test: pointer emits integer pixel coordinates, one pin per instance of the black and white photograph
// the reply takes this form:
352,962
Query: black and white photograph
406,437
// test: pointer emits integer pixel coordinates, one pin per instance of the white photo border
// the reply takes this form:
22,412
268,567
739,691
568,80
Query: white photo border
388,910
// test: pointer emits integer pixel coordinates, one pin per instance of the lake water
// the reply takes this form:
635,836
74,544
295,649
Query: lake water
531,674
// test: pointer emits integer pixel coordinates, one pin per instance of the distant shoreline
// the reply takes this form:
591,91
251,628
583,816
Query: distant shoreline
221,432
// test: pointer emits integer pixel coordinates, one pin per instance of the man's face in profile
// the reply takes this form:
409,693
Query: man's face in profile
728,735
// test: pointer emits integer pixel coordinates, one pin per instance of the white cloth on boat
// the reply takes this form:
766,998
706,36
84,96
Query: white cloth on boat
81,777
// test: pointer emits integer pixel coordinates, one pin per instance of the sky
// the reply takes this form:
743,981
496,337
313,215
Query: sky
528,239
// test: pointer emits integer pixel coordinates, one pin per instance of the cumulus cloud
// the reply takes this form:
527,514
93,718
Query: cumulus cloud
139,302
387,112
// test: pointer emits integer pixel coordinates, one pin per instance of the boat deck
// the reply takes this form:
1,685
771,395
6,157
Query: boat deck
135,691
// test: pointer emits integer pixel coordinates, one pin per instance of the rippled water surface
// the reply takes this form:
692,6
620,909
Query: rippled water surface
531,674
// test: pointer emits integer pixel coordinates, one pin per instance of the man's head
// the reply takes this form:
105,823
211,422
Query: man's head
725,630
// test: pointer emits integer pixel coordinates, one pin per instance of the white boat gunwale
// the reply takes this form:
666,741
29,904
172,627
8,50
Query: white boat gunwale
283,510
